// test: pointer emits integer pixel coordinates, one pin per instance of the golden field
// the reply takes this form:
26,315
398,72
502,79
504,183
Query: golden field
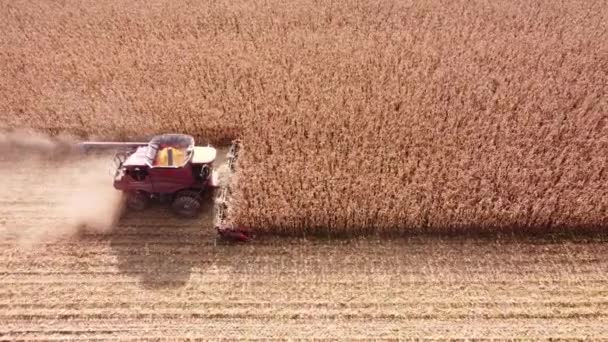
355,116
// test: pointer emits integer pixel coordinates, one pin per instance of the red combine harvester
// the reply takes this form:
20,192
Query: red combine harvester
169,168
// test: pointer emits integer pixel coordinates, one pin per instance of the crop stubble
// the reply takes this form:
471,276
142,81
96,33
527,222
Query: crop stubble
170,282
365,288
355,116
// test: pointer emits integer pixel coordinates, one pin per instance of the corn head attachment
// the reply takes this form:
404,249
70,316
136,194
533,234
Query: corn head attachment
229,232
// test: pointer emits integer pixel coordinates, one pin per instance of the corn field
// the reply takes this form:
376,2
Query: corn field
355,116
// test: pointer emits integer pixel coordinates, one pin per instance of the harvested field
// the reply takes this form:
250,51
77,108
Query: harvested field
163,277
355,116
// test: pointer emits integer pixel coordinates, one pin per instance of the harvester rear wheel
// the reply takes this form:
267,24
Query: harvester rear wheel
137,201
187,204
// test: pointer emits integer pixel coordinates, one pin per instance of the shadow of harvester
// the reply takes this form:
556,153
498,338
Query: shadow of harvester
160,249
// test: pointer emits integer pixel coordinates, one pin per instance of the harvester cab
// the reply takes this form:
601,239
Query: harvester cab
170,167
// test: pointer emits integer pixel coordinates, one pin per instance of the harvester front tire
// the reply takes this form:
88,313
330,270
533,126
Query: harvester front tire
187,204
137,201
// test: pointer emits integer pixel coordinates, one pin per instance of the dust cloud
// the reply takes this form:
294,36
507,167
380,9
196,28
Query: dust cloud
50,191
224,174
227,180
32,142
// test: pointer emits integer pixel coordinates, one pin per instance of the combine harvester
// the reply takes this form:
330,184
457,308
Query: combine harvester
170,168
